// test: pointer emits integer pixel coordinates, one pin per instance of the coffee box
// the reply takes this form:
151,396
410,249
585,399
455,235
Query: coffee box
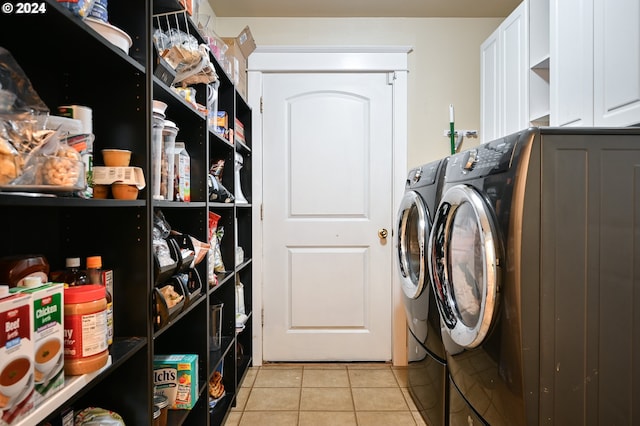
16,357
176,377
48,337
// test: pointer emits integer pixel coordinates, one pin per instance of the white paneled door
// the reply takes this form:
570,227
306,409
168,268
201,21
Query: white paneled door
327,201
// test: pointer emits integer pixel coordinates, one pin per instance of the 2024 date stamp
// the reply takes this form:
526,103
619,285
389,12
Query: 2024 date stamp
24,8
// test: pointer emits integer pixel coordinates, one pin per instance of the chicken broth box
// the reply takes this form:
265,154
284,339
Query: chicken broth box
176,377
16,357
48,337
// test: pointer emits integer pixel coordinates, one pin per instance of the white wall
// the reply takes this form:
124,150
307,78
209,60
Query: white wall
444,66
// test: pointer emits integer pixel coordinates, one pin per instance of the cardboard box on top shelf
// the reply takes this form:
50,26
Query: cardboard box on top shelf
240,48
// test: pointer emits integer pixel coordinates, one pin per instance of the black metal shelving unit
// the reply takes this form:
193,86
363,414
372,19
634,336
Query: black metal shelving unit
67,62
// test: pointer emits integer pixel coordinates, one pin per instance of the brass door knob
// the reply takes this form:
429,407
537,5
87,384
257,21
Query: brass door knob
383,233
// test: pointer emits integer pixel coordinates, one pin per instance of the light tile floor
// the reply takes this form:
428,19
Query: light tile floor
358,394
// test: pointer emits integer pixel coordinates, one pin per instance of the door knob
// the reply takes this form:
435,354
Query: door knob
383,233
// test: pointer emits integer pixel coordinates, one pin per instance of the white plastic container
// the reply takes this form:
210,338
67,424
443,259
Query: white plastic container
78,112
156,155
113,34
169,133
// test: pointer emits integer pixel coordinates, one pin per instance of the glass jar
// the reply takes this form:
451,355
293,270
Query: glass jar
161,402
156,415
73,275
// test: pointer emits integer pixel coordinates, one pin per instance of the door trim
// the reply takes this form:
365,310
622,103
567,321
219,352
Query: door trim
280,59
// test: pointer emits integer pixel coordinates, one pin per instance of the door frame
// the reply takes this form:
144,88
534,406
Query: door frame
282,59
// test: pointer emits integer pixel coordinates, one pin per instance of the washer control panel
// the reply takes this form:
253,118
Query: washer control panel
489,158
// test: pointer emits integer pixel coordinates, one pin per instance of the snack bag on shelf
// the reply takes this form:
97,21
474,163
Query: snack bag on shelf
54,163
215,264
22,115
217,191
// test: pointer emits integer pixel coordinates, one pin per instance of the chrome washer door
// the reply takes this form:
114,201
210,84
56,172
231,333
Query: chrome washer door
464,265
412,231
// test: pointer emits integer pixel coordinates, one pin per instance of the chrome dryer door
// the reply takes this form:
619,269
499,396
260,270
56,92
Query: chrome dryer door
412,232
464,265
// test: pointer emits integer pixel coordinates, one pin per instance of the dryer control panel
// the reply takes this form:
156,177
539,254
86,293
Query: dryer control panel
423,175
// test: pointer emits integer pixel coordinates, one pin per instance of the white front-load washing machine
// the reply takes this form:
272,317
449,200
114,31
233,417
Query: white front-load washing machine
427,358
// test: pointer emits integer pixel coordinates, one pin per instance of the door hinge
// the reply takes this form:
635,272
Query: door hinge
261,105
391,77
261,212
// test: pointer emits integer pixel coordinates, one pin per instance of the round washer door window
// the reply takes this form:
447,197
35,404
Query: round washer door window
412,231
463,262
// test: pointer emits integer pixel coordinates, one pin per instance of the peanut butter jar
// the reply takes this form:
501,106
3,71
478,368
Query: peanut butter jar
85,329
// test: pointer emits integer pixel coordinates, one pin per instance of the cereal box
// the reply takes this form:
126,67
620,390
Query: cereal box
48,337
16,357
176,377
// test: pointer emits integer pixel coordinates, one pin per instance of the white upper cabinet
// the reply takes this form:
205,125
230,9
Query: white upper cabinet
515,69
616,67
571,62
595,63
489,89
504,77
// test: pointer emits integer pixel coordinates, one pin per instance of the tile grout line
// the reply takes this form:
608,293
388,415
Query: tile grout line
353,399
300,396
244,407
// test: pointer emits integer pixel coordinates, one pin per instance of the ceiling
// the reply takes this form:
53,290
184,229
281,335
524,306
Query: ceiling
364,8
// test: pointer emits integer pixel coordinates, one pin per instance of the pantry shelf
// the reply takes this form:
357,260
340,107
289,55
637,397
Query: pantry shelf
120,89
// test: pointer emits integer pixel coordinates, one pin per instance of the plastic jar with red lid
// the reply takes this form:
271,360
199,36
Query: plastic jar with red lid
85,329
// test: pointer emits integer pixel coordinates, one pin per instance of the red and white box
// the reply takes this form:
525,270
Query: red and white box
17,394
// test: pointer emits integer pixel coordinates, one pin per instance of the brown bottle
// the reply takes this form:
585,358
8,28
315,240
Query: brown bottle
73,275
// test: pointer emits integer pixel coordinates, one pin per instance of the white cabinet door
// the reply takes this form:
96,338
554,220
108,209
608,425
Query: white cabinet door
514,46
571,64
504,84
489,89
616,62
